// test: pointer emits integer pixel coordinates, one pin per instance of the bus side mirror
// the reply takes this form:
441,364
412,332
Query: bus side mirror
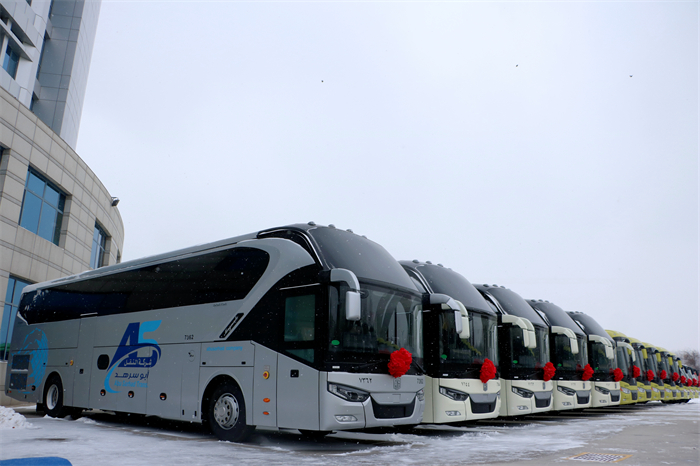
353,305
609,353
448,304
462,316
531,333
353,299
569,333
519,322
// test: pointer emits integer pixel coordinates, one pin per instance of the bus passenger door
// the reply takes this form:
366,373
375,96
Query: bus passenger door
297,385
83,363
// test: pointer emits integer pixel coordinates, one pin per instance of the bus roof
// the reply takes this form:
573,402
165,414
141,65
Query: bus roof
447,281
556,315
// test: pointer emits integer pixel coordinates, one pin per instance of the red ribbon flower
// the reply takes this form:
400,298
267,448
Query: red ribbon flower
488,371
549,371
617,374
587,372
675,377
399,362
663,374
636,372
650,375
682,379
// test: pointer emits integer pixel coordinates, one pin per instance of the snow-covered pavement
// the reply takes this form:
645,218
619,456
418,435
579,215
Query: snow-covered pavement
99,438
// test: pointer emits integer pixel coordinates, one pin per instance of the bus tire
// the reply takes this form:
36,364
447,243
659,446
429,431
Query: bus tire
53,398
226,413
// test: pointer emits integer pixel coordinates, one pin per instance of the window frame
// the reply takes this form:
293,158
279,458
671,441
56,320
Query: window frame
58,208
10,307
99,247
8,58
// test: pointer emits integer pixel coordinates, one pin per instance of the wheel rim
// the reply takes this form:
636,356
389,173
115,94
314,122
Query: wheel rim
52,397
226,411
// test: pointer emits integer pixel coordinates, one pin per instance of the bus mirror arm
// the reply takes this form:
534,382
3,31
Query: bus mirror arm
569,333
609,353
353,299
519,322
447,303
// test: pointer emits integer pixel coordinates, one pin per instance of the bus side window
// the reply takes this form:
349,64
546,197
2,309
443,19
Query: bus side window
299,313
299,324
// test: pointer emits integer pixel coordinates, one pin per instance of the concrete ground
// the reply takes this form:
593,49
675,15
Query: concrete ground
676,442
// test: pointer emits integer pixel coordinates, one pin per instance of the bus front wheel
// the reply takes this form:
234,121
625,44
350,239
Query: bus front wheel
53,397
226,413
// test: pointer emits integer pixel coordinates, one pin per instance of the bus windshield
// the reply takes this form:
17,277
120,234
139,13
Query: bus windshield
641,362
529,358
564,359
599,360
472,351
624,360
390,320
651,363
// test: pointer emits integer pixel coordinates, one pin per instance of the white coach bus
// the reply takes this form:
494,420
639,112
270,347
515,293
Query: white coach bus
291,327
456,354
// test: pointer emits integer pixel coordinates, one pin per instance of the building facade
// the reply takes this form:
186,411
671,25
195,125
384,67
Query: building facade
56,217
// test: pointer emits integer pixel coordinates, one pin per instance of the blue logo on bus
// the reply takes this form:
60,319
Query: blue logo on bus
132,360
33,356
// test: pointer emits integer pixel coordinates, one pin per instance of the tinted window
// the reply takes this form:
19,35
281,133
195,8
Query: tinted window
367,259
14,292
42,208
557,316
208,278
514,304
446,281
99,244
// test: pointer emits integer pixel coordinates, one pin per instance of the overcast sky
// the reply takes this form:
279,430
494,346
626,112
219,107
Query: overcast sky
551,147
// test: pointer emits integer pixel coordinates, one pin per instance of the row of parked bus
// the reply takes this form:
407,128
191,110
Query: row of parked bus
316,329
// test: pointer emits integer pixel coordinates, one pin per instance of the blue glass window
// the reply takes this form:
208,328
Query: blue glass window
42,208
11,61
14,291
99,244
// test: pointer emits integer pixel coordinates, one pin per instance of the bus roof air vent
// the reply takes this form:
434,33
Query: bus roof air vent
330,225
428,262
416,261
312,224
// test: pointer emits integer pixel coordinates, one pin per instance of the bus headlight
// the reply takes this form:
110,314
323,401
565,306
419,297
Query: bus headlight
420,395
522,392
602,390
566,390
625,390
453,394
347,393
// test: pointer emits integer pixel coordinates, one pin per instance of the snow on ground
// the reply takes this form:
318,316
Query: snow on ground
147,441
9,419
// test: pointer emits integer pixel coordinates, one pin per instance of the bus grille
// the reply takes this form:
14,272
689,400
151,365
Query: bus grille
482,408
614,397
634,396
544,401
392,411
582,399
648,394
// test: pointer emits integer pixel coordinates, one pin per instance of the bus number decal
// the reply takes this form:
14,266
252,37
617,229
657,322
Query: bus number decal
134,356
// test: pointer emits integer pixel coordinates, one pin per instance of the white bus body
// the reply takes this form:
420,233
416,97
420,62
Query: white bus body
284,328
